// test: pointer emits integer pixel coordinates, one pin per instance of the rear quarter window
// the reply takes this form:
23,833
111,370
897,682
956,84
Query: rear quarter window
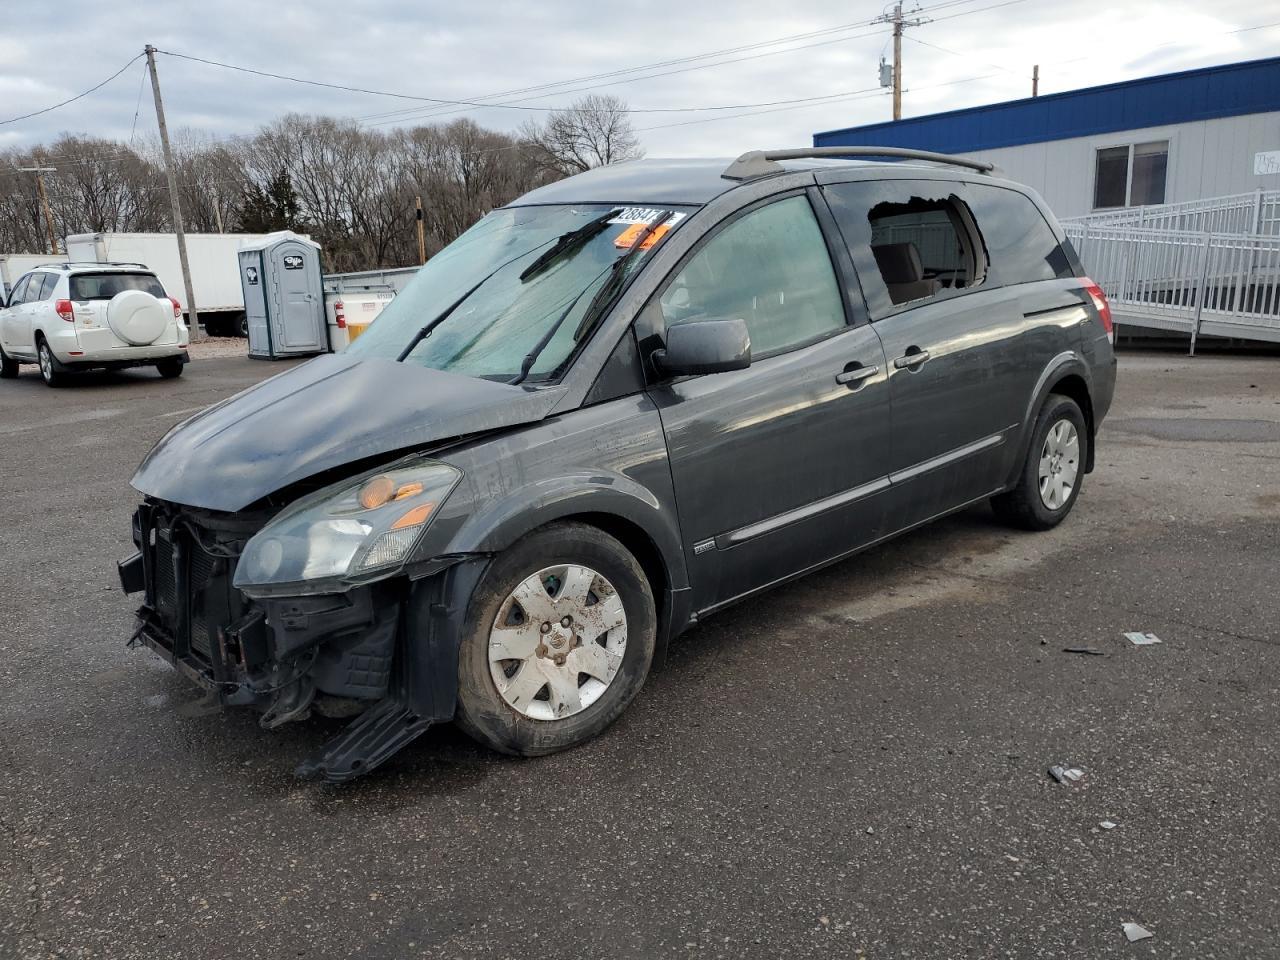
42,286
104,286
1021,247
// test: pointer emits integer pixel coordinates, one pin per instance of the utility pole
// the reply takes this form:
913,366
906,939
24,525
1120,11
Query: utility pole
899,24
1035,80
422,238
44,202
193,318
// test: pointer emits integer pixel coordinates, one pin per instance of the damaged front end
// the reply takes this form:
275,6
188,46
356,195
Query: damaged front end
322,606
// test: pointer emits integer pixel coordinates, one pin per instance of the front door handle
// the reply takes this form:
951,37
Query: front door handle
911,359
857,374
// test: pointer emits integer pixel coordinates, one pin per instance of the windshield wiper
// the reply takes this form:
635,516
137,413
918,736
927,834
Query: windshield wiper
617,277
531,357
567,242
561,245
617,271
440,318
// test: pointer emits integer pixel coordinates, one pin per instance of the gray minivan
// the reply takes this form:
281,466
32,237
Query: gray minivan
611,408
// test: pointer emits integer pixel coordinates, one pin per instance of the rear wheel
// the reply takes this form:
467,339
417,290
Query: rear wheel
48,367
558,640
170,368
8,366
1053,470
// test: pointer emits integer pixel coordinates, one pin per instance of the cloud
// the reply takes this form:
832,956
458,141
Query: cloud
457,51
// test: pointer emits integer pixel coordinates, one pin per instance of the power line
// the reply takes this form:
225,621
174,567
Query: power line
957,53
78,96
137,109
679,60
474,103
413,113
869,93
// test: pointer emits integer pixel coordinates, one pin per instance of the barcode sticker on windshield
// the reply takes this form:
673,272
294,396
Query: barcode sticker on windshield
644,215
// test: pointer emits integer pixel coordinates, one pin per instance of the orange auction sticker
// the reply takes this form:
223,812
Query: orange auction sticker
627,238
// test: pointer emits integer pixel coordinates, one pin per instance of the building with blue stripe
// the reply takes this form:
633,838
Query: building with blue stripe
1180,136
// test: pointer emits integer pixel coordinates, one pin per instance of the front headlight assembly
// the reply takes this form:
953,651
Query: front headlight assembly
347,532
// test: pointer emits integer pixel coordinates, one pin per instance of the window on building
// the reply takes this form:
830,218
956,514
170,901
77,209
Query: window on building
1111,178
1150,161
1130,176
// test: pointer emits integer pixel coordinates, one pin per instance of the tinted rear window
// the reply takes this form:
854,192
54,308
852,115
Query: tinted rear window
1021,248
104,286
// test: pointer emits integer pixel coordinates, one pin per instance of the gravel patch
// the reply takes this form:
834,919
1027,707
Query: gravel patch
209,347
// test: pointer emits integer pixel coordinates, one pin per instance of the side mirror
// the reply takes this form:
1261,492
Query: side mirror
705,346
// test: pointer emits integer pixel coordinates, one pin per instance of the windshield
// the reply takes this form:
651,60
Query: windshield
104,286
531,281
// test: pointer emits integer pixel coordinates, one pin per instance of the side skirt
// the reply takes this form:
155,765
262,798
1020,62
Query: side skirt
844,556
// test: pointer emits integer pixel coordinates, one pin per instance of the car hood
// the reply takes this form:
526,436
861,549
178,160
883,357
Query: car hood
325,413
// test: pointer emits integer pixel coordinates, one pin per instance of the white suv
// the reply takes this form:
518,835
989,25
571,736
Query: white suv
80,316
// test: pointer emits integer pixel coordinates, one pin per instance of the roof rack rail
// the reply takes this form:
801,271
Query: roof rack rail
96,263
761,163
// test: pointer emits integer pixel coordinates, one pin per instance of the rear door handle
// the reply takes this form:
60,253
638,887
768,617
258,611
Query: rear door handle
912,358
857,374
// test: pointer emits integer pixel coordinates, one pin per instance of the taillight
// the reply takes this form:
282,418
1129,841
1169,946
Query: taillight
1104,309
340,314
177,307
65,310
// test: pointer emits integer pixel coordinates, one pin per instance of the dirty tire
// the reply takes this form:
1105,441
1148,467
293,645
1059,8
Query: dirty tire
48,371
482,711
8,366
1023,506
169,368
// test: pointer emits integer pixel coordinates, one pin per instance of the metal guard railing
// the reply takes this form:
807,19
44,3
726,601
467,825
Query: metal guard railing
1243,213
1224,284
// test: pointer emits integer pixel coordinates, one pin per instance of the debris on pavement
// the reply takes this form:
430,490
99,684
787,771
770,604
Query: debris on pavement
1087,651
1135,932
1065,774
1107,825
1142,639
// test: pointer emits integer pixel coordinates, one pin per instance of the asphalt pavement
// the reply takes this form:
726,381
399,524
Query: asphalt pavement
851,766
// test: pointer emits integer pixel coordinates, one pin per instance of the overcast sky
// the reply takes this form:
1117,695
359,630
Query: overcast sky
980,51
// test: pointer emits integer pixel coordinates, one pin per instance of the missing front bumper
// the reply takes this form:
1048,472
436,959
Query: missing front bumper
392,644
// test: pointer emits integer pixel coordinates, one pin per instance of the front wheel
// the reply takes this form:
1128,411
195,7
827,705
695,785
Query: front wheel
1053,470
559,638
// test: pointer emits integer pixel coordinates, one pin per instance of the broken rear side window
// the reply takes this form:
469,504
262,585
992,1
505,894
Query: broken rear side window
912,241
924,247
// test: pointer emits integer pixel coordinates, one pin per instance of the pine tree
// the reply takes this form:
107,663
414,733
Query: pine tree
275,208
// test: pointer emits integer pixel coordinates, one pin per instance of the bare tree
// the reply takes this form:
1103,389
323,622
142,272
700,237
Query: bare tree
593,131
351,188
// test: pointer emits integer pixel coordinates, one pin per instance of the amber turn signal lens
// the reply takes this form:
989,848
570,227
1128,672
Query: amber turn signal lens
415,517
410,489
376,492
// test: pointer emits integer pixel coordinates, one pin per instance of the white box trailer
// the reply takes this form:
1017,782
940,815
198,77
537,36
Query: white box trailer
14,265
214,261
